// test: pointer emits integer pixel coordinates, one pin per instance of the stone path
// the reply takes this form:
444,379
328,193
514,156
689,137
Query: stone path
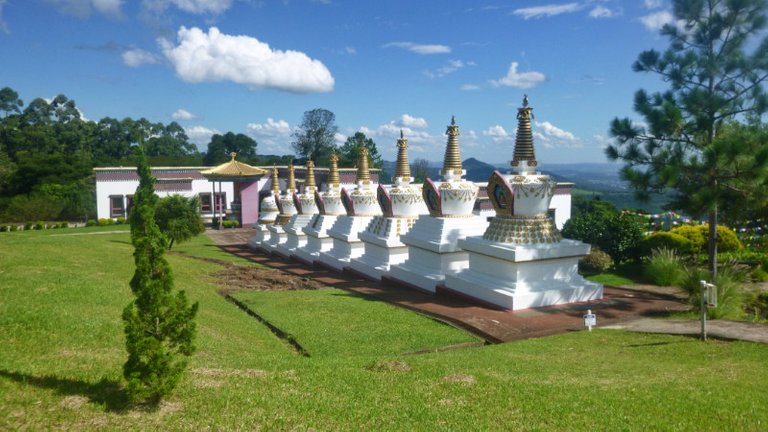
620,308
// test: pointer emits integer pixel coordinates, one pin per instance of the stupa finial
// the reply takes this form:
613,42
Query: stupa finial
402,169
291,179
363,173
232,155
524,140
333,171
275,180
452,160
309,184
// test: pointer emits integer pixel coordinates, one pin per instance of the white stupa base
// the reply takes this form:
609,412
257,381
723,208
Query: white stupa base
295,238
261,236
346,241
318,240
276,237
513,276
383,247
433,251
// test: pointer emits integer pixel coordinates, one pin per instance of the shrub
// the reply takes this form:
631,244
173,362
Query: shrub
665,240
4,228
615,233
179,218
106,221
40,225
695,234
27,226
91,222
14,227
596,261
759,275
120,220
230,224
756,306
665,267
63,224
729,293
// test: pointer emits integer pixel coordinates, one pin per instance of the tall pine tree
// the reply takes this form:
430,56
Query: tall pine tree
687,144
159,323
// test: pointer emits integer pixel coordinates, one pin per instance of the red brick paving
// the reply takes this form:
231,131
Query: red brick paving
617,306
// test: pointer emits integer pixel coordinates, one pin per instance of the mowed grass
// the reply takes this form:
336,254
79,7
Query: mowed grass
61,353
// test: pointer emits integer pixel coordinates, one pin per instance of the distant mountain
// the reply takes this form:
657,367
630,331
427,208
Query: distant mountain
477,171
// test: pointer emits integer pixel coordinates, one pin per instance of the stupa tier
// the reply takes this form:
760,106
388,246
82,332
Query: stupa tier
432,241
521,260
267,215
329,209
287,209
305,210
361,206
401,205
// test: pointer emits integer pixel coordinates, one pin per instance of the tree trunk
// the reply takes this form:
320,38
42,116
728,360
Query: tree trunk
712,246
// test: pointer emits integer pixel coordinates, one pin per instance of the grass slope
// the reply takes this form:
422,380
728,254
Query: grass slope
62,352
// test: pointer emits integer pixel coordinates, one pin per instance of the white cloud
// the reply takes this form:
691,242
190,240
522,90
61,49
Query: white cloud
420,48
350,50
652,4
215,56
136,57
523,80
339,138
84,8
551,136
451,67
657,20
182,114
497,133
273,136
190,6
468,87
546,10
200,136
412,122
600,11
3,25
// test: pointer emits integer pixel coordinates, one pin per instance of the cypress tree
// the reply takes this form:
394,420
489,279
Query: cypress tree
159,323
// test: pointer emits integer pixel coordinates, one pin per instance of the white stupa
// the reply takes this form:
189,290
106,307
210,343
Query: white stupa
433,250
329,209
521,260
305,210
361,206
287,209
268,213
401,205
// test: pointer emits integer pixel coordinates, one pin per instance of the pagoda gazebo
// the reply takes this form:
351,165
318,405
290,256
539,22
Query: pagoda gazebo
245,182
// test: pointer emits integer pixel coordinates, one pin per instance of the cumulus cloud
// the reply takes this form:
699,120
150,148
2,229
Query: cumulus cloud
652,4
497,133
136,57
84,8
657,20
412,122
600,11
273,136
190,6
551,136
546,10
214,56
519,80
420,48
451,67
339,138
200,135
182,114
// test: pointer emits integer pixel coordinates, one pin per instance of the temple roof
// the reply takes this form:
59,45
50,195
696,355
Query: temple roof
232,169
524,151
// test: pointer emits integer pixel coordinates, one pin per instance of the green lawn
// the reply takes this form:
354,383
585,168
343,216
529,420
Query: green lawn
61,353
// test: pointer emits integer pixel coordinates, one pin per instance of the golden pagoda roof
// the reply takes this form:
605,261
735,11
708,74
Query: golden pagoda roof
524,141
402,169
233,169
452,160
363,173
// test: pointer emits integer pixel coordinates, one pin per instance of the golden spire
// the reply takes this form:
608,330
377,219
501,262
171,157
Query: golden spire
275,181
309,184
333,171
524,140
232,155
291,179
363,174
402,169
452,161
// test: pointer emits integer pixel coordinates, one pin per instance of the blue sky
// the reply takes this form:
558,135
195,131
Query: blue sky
254,67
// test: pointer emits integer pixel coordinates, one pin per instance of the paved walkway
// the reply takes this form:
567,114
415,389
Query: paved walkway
620,308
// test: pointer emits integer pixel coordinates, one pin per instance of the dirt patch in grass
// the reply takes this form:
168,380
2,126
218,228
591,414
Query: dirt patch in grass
224,373
73,402
460,378
390,366
238,277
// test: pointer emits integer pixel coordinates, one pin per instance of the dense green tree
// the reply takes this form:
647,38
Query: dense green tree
179,218
351,148
314,139
10,102
712,81
159,323
221,146
616,234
